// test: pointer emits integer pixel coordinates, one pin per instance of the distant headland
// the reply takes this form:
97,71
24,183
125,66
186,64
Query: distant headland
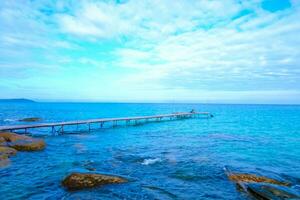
16,101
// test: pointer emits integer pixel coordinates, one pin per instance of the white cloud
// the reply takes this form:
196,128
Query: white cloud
256,53
182,46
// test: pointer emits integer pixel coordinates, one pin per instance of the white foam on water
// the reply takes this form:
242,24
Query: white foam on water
9,120
151,161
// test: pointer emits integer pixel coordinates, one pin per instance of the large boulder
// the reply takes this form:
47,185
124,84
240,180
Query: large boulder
77,181
22,142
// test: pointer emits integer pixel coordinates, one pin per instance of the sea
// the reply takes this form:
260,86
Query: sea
179,159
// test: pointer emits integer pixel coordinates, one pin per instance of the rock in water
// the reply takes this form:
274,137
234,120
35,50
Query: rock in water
251,178
28,145
22,142
7,151
3,157
77,181
2,141
4,161
270,191
12,137
30,119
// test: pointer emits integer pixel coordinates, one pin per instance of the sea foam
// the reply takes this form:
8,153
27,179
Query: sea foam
151,161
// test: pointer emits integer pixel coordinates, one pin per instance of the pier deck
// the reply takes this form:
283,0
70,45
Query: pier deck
60,125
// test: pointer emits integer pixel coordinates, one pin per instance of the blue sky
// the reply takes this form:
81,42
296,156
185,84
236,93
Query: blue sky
151,51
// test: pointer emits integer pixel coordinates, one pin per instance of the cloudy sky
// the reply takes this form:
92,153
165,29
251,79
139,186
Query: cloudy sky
210,51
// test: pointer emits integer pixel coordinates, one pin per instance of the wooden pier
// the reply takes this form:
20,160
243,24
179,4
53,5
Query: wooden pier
58,127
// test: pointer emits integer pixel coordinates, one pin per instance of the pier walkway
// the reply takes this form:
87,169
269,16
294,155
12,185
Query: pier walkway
58,127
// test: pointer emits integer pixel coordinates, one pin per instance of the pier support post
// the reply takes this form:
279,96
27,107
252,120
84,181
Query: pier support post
53,130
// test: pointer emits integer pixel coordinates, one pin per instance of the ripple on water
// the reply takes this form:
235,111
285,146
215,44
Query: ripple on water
168,160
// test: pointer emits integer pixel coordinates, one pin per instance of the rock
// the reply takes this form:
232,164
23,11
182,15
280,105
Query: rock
7,151
28,145
4,161
12,137
30,119
77,181
270,191
2,141
251,178
22,142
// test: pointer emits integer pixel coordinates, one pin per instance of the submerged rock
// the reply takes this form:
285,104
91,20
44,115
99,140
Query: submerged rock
4,161
5,153
269,191
262,187
22,142
77,181
30,119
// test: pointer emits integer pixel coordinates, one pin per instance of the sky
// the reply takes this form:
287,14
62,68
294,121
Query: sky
209,51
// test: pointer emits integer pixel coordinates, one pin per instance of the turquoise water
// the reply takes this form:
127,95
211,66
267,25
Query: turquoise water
166,160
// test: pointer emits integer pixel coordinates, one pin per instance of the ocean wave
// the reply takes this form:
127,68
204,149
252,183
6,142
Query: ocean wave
151,161
9,120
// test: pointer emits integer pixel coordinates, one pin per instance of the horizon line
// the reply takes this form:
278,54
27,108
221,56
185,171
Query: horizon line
152,102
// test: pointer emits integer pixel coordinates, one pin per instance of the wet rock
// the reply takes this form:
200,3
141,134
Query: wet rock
270,191
22,142
3,157
12,137
4,161
28,145
7,151
30,119
2,141
77,181
251,178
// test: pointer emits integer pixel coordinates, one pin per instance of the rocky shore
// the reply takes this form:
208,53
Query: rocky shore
10,143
